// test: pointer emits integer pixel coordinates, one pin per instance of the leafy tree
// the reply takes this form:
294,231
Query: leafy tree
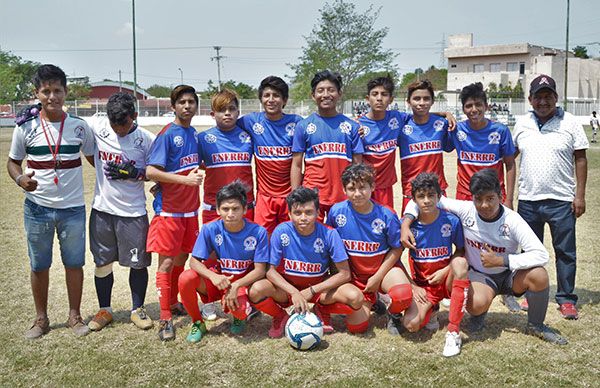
244,91
159,91
343,40
437,77
581,52
15,78
79,91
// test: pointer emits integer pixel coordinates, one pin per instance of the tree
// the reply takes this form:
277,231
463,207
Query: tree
437,77
159,91
244,91
345,41
581,52
79,91
15,78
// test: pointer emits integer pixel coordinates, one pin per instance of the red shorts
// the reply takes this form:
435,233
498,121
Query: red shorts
436,293
322,210
270,211
370,297
213,294
384,196
170,236
211,215
287,304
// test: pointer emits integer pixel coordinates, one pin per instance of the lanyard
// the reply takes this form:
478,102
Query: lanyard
56,150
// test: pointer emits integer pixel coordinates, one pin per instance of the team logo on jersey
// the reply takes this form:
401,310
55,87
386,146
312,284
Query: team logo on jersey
365,130
504,230
340,220
289,129
461,136
311,128
469,222
446,230
244,137
250,243
138,143
345,127
407,129
258,128
219,239
210,138
178,140
79,132
319,245
494,138
285,240
104,133
377,226
393,123
438,125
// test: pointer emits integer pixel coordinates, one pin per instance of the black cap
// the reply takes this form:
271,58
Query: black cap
542,82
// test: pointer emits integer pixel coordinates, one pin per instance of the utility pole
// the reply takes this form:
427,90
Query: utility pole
442,47
181,71
566,59
218,58
134,58
120,82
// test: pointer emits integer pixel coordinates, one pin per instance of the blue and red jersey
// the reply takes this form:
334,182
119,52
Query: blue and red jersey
272,141
479,149
367,237
227,156
328,144
421,150
304,260
175,150
434,245
236,252
380,141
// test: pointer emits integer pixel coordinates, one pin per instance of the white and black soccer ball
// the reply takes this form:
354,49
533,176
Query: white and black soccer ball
304,331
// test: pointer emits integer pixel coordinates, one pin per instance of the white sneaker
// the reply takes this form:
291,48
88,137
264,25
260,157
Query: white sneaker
446,303
209,311
452,345
433,324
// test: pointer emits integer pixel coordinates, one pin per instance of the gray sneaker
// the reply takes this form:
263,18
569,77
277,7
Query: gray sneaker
511,303
40,327
394,324
546,333
476,323
166,331
76,324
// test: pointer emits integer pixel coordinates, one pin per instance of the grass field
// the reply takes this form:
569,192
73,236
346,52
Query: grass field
121,355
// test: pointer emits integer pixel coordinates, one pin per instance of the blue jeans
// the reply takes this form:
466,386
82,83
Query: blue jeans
561,219
40,224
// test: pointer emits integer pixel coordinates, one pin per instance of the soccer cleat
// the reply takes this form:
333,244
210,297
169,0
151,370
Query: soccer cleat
476,323
40,327
196,332
209,311
525,305
237,326
278,326
141,319
102,318
76,324
166,331
177,310
325,318
568,311
394,324
452,345
546,333
379,307
253,314
511,303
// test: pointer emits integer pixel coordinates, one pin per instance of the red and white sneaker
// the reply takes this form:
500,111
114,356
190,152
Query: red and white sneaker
568,311
325,318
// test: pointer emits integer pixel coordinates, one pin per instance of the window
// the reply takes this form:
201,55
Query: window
495,67
522,68
512,66
478,68
453,66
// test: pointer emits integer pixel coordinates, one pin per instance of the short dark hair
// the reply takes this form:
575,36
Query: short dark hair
236,190
474,91
426,181
326,75
46,73
302,195
484,181
358,173
387,82
119,107
593,112
276,83
420,85
180,90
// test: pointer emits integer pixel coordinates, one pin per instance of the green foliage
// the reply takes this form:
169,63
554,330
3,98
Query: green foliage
15,78
505,91
437,77
581,52
159,91
343,40
244,91
79,91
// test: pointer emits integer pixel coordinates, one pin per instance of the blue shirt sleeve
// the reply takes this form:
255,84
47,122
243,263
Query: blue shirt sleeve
507,146
203,246
458,238
357,143
159,152
261,254
335,245
275,250
448,145
393,232
299,141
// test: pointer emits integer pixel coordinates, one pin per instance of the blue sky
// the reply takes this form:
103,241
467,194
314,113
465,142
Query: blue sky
261,37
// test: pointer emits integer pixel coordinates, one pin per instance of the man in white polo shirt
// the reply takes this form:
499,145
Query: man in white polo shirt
553,174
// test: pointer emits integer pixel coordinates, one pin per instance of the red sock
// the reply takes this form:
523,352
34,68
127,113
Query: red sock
358,328
401,295
270,307
163,287
175,272
188,284
427,318
458,300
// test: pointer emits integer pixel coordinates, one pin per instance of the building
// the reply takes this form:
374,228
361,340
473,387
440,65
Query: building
104,89
520,62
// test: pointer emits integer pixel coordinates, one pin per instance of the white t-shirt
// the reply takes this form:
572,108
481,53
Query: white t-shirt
594,122
506,236
547,168
30,141
120,197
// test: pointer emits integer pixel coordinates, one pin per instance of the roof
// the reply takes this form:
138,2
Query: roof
123,85
499,49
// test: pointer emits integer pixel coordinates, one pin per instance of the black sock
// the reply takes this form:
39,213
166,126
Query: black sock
138,283
538,305
104,289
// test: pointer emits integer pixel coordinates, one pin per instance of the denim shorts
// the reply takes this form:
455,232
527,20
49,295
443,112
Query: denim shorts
40,224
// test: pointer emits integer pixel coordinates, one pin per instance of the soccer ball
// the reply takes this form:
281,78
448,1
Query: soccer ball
304,331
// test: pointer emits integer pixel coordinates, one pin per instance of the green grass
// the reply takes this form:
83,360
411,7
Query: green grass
121,355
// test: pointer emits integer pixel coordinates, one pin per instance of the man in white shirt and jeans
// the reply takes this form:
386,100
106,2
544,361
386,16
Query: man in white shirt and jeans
552,179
